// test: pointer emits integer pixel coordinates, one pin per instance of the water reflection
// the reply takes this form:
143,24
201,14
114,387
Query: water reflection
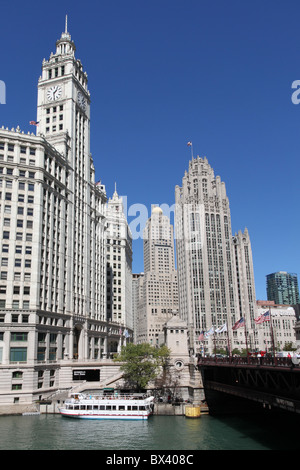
53,432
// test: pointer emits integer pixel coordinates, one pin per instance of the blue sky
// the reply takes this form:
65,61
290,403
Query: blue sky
164,72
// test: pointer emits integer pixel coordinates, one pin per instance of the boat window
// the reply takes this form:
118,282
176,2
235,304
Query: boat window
121,407
82,407
108,407
89,407
114,407
129,407
102,407
141,408
76,407
95,407
134,407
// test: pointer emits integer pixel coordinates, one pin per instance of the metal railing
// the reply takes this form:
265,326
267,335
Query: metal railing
251,361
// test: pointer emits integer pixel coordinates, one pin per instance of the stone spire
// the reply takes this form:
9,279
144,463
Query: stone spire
65,45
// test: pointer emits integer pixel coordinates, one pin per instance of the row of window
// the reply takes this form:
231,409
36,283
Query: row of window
16,304
23,148
22,173
106,407
26,290
22,185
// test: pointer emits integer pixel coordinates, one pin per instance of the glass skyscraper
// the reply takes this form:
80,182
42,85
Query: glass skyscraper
282,287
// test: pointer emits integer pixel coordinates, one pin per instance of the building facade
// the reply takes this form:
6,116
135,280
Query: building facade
52,240
159,298
282,332
137,290
282,287
215,269
119,264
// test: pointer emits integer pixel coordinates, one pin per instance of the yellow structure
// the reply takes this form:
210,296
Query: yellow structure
192,411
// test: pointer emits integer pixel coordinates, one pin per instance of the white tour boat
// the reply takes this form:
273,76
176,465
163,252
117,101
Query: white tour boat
136,406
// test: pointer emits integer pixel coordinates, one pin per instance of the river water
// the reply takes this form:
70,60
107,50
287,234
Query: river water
54,432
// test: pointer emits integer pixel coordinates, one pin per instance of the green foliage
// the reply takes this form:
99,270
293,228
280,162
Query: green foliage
289,347
141,363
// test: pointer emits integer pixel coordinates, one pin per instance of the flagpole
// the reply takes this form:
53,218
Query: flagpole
190,144
246,340
272,336
228,344
215,346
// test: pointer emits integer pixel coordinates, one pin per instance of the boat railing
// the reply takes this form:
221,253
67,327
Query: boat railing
79,397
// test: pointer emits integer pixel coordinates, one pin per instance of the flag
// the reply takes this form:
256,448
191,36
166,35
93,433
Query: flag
33,123
209,332
120,331
239,323
201,336
189,144
126,334
264,317
221,328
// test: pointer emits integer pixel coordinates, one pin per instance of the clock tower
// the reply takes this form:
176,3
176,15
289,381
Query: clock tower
63,111
63,115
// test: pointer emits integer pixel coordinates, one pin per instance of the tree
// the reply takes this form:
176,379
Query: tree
142,363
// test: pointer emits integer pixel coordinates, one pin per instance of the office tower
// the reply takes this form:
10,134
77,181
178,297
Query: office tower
245,274
282,287
210,260
137,289
119,264
160,290
52,244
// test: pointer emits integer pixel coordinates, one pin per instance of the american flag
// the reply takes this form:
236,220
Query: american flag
238,324
33,123
264,317
201,336
189,144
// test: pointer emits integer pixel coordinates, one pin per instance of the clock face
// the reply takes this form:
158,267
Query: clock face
54,93
81,100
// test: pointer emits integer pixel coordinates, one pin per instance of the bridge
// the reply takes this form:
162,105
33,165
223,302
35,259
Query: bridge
245,384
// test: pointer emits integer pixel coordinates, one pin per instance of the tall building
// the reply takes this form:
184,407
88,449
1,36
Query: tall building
282,287
119,264
215,270
160,290
137,289
52,243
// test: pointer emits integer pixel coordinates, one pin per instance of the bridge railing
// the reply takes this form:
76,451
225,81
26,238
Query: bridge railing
254,361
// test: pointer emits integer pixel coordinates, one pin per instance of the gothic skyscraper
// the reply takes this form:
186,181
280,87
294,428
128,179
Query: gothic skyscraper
209,294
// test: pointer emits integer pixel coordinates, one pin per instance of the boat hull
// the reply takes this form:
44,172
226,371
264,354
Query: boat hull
102,416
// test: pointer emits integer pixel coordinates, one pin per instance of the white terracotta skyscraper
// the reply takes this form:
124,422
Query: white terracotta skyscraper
206,266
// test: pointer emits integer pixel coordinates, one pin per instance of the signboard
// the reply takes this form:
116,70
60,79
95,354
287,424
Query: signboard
90,375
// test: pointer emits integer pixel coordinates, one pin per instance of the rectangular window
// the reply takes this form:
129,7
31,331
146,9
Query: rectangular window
41,354
19,336
18,354
16,387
